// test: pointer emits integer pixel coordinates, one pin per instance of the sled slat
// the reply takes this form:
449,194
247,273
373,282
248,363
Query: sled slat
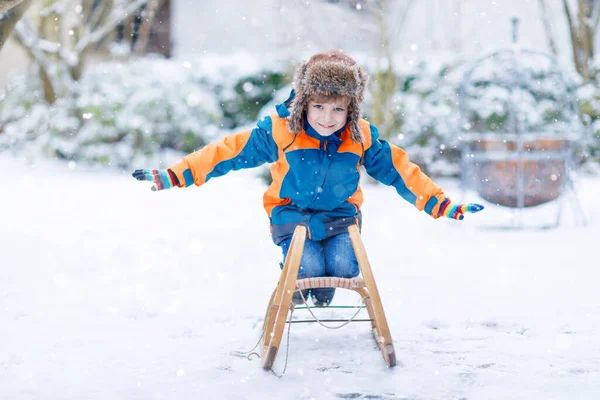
329,282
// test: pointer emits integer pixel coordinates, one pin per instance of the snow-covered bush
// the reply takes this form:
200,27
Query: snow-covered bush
23,112
526,90
523,91
425,108
589,100
116,113
243,84
242,103
119,113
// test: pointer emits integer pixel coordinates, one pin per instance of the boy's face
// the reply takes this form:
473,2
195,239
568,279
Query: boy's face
328,116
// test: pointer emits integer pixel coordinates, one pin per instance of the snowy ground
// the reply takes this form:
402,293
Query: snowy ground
111,291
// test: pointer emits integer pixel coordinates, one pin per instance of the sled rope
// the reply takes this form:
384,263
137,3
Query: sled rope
308,283
248,354
321,322
287,345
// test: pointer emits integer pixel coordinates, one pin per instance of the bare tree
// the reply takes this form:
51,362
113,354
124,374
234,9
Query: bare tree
6,5
385,81
548,28
147,17
583,25
60,43
11,11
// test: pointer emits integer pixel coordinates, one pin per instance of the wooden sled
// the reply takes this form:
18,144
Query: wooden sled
281,299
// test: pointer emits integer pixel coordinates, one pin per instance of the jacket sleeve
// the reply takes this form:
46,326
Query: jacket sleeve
390,165
245,149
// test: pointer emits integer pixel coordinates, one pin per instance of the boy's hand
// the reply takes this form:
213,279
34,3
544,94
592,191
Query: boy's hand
162,178
457,211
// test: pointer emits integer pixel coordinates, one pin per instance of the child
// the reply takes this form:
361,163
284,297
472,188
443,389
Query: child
316,143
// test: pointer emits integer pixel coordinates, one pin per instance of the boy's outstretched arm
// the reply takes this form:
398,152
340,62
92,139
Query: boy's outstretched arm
390,165
240,150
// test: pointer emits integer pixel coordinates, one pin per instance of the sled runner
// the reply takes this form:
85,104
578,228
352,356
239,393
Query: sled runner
281,299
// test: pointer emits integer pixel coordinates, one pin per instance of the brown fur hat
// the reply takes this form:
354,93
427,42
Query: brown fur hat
330,74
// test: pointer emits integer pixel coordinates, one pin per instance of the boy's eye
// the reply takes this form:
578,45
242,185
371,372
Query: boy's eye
318,106
339,109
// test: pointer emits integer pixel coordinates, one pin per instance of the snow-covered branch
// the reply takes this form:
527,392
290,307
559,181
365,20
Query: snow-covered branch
31,43
9,19
583,35
58,7
114,20
6,5
38,48
548,28
144,33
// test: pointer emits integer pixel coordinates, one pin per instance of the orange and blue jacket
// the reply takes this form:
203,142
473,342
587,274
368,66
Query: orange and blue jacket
316,179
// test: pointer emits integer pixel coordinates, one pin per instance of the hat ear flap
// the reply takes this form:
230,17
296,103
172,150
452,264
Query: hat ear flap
295,121
363,81
356,133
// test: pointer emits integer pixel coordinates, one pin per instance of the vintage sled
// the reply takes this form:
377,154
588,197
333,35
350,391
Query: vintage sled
281,299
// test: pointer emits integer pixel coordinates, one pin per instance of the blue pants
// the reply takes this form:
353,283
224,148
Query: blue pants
333,256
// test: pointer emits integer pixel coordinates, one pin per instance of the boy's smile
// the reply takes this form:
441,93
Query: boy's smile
327,117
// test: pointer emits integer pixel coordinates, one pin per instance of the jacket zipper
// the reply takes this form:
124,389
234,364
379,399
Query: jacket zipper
324,173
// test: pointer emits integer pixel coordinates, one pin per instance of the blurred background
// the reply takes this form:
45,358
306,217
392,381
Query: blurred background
110,291
468,87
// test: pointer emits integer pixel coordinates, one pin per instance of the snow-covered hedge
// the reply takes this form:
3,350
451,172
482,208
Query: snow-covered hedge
119,113
115,114
534,90
525,86
426,106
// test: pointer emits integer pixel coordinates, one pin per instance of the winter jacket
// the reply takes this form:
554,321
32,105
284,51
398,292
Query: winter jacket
315,178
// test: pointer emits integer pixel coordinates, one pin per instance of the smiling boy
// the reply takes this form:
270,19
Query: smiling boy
316,143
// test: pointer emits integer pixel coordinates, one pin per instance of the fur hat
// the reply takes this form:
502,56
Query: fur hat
330,74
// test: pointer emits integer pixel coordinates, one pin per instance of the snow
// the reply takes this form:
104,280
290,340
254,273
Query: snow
111,291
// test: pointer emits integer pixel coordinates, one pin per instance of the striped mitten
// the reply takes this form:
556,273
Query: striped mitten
457,211
162,178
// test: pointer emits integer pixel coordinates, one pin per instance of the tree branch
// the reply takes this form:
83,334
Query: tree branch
595,16
114,20
574,38
100,15
9,19
6,5
548,28
26,38
144,33
582,17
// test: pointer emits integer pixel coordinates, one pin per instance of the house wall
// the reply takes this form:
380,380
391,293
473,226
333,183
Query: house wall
298,28
13,60
295,29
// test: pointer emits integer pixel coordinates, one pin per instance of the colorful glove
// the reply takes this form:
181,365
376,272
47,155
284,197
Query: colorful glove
456,211
162,178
